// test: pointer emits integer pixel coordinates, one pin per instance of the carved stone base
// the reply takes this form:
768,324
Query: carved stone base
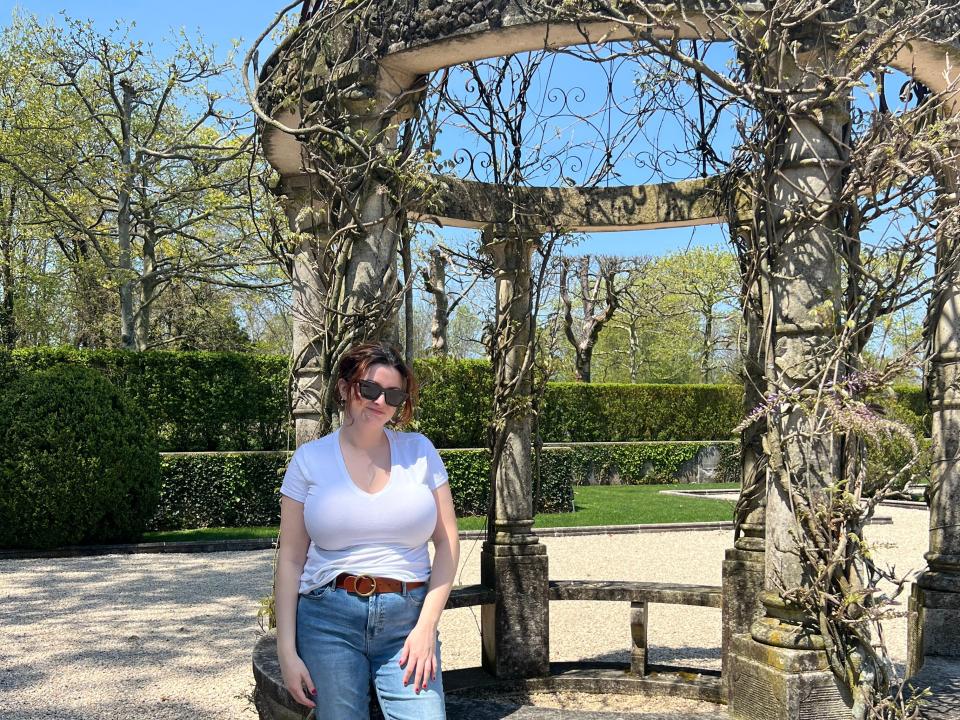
933,621
742,584
773,683
516,628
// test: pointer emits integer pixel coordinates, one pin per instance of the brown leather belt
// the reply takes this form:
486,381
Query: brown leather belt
367,585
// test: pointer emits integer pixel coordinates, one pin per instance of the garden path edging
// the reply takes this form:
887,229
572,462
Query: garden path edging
200,546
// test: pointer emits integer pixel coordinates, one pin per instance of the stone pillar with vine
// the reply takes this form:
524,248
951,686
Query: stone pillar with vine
306,252
934,625
782,668
331,117
515,628
743,566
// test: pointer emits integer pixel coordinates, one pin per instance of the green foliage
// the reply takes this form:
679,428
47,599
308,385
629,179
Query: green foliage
78,462
184,252
914,398
204,401
678,322
198,401
647,463
7,370
238,490
456,400
578,412
220,490
469,473
889,453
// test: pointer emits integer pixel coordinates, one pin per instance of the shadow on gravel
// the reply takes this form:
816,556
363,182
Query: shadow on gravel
686,657
115,622
17,678
98,710
73,587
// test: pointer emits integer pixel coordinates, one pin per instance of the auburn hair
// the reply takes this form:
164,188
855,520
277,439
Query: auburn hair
360,358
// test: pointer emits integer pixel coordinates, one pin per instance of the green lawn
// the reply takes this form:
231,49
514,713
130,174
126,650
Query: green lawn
595,505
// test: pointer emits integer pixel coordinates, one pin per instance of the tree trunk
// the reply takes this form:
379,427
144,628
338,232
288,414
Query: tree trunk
8,321
634,352
148,289
95,301
437,286
583,357
705,350
125,266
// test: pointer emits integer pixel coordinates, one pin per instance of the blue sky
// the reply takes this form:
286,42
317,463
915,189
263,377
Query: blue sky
219,22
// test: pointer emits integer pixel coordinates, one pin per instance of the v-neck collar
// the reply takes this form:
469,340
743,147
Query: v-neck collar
341,461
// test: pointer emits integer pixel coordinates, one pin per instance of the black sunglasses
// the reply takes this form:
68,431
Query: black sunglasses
370,390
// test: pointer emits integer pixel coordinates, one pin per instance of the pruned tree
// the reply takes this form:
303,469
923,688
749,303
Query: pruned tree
435,283
598,292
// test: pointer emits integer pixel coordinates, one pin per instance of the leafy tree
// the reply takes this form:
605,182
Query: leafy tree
705,281
141,169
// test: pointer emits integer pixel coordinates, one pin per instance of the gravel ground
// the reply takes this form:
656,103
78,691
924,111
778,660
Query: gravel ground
169,636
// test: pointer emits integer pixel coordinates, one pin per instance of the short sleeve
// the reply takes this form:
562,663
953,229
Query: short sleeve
436,472
294,480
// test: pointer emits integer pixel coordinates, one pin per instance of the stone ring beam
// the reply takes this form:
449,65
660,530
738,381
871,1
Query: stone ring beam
448,35
475,205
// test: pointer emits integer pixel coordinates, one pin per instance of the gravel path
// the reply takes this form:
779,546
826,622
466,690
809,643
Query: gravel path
169,636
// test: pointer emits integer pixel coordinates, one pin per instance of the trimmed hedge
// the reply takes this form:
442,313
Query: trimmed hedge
594,412
649,463
456,400
196,401
886,455
220,490
914,399
469,471
205,401
78,463
243,489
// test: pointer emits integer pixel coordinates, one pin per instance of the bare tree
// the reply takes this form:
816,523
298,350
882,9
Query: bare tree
597,296
435,282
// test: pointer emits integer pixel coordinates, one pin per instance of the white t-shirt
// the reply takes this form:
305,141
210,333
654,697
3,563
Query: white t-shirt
383,533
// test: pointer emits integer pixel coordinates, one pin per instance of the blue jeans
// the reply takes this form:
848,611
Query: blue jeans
347,641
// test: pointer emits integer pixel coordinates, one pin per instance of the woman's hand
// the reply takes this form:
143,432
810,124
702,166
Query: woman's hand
419,656
295,678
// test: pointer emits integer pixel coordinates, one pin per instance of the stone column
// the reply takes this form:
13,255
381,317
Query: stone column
360,265
515,628
743,568
780,671
934,612
308,297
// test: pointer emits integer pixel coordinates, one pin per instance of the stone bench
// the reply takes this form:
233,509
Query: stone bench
638,594
470,595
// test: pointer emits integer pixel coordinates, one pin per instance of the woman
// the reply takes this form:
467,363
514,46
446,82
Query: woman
356,596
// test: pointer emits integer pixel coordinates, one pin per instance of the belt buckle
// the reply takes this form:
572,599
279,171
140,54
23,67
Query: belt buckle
373,585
